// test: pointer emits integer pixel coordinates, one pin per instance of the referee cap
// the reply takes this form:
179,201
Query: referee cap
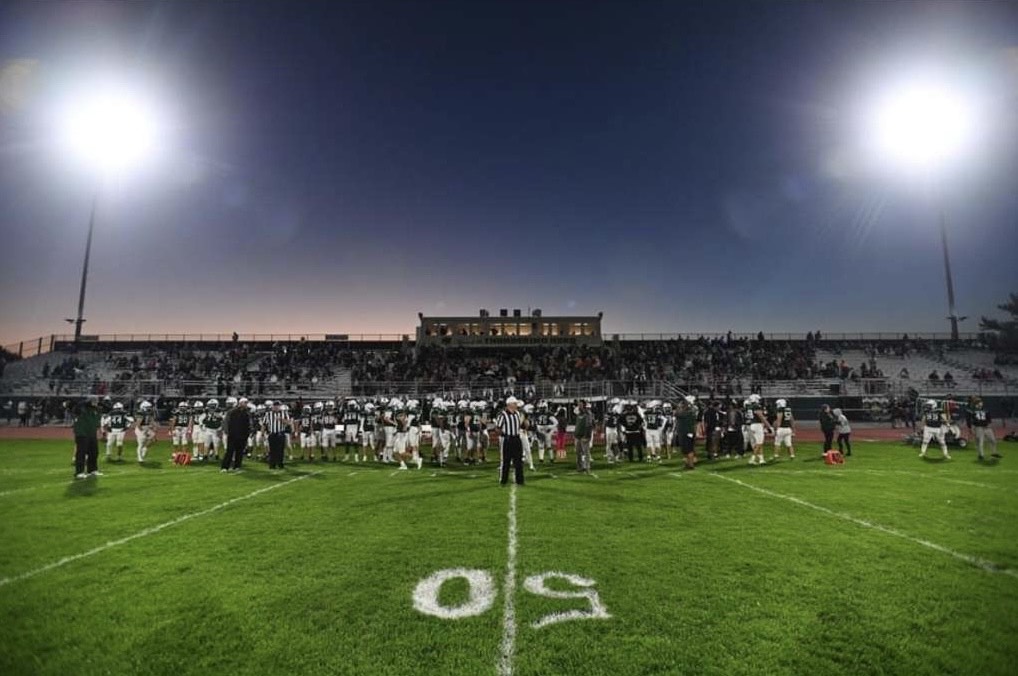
511,400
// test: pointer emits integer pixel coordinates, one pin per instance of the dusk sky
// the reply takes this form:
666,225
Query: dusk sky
331,167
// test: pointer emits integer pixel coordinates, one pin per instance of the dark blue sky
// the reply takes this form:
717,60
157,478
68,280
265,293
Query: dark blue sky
336,167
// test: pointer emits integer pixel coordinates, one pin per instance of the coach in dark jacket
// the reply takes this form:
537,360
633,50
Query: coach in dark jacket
86,447
238,429
828,423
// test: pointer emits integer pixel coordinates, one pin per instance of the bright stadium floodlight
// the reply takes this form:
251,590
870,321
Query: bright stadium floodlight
110,129
921,125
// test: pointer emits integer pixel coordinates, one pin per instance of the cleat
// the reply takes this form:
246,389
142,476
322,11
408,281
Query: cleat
82,475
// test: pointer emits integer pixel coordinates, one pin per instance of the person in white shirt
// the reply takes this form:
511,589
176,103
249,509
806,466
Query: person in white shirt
844,432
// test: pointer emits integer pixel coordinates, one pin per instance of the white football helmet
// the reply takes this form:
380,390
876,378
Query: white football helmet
182,404
231,401
319,406
146,405
780,403
528,408
118,406
198,405
754,398
369,407
330,404
931,403
306,408
212,403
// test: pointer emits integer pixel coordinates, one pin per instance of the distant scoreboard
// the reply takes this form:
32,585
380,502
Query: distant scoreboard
508,330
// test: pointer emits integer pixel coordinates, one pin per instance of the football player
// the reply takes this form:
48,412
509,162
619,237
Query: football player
197,431
653,419
667,428
212,422
633,429
440,437
145,429
757,424
934,427
367,430
351,422
525,432
413,440
611,431
181,427
329,424
545,424
401,435
977,419
116,423
307,436
784,429
388,423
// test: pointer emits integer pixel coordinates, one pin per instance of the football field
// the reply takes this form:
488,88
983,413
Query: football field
890,564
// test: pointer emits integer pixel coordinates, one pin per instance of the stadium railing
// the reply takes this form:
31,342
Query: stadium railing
657,389
44,344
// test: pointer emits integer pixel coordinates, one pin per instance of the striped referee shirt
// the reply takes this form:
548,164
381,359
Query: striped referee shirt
275,422
509,423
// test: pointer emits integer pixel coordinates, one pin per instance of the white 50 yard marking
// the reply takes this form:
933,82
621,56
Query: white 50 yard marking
480,600
482,592
988,566
535,584
148,531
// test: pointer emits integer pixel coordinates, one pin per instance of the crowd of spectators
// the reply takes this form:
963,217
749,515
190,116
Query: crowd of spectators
722,364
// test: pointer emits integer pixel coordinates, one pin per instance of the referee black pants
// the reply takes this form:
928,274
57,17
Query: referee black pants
235,447
277,441
512,452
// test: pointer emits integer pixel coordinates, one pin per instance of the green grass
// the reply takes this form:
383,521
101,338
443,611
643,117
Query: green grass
699,574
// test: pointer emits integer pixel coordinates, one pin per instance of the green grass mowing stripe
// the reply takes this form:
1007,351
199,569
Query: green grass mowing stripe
988,566
144,533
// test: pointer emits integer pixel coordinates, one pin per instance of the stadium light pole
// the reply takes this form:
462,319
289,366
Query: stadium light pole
84,273
111,130
922,126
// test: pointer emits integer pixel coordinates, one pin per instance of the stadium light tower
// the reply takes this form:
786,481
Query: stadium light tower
110,130
922,126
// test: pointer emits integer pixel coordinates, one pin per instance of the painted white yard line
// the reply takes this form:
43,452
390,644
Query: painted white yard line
353,473
508,646
594,475
924,475
675,474
988,566
146,532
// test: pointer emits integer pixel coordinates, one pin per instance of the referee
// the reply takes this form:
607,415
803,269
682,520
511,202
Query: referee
274,424
508,425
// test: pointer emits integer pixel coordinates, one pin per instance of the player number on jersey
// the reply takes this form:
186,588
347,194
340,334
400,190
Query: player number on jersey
481,594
